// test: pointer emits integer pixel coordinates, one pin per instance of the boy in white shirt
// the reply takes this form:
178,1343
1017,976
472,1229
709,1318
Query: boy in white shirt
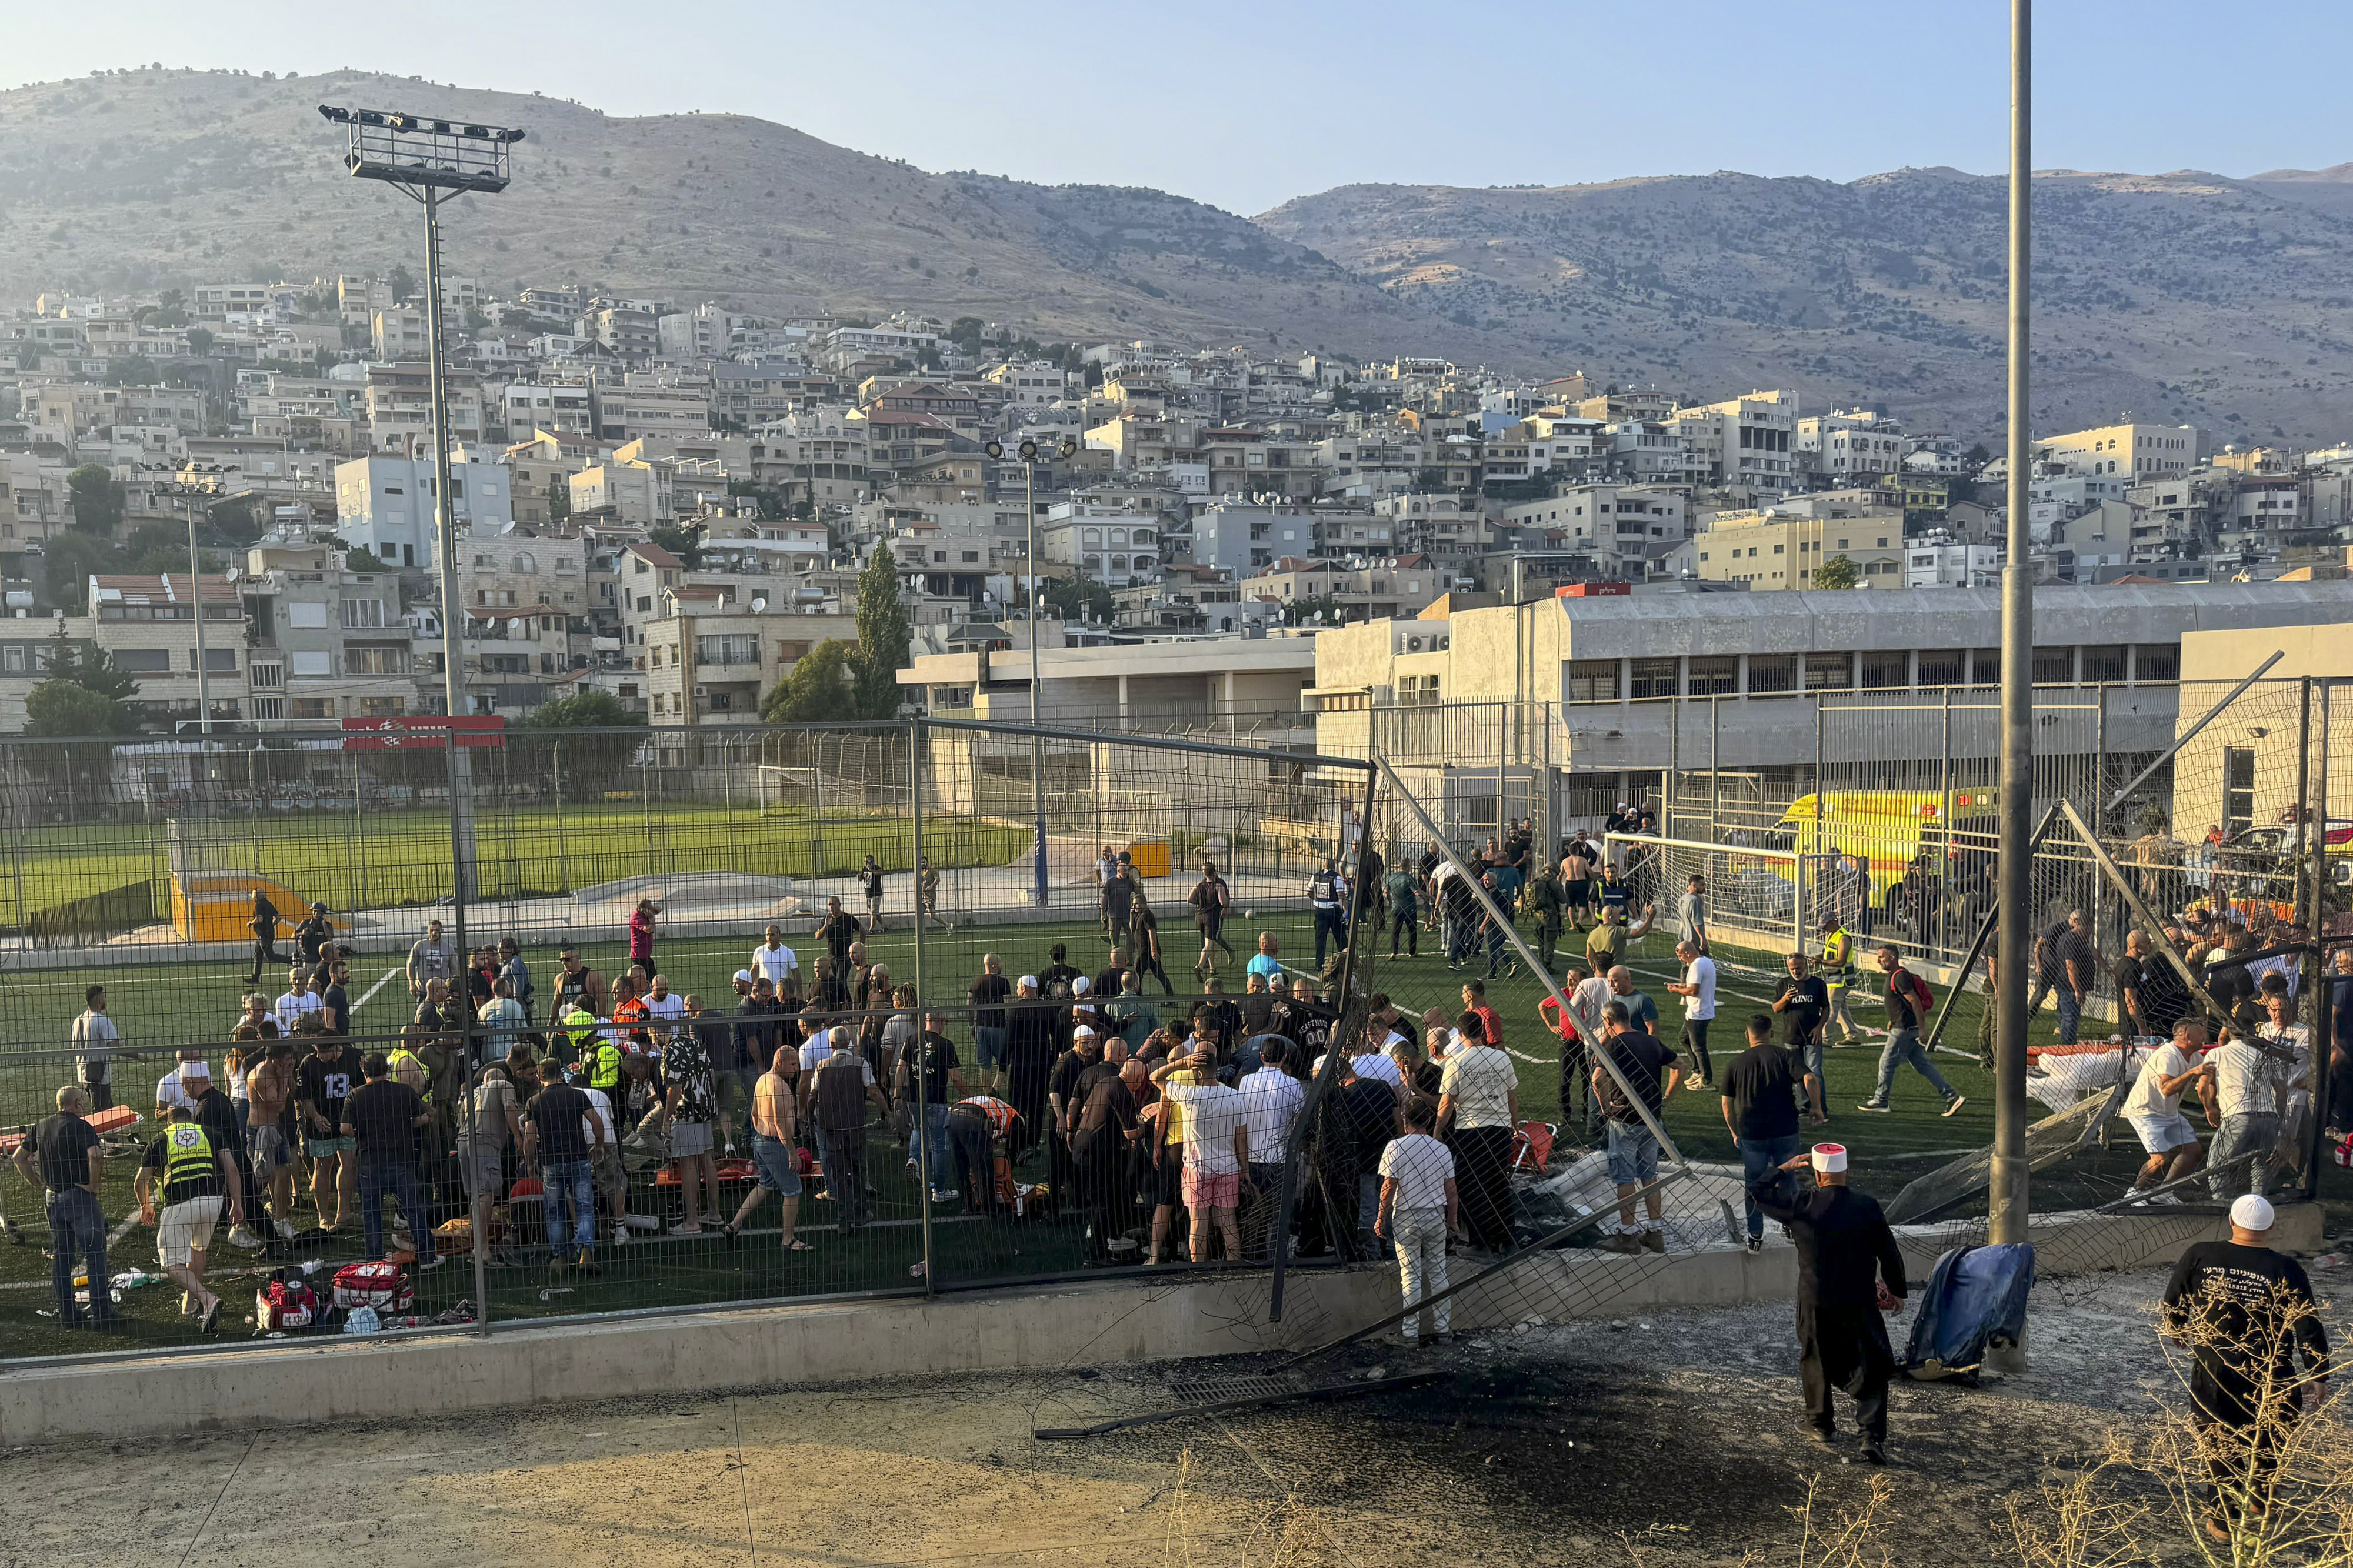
1419,1208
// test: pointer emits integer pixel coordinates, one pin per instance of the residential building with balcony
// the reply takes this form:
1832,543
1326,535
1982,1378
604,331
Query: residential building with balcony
711,660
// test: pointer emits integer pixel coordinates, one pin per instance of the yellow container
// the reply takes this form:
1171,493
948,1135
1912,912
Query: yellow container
1150,856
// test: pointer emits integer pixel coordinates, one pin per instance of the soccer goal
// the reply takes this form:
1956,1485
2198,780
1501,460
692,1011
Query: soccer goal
787,791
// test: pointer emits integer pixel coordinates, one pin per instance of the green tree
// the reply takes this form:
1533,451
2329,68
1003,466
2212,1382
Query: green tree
359,559
559,499
132,370
685,543
200,341
1081,599
68,564
57,710
1838,571
403,284
590,738
82,663
815,688
1316,610
883,637
97,498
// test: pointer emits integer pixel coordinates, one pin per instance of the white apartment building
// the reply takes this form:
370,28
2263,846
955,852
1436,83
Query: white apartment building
1945,563
1850,443
1749,440
526,406
1118,545
384,505
324,642
647,403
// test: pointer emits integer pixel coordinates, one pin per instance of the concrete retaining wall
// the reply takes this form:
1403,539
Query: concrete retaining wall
1091,1323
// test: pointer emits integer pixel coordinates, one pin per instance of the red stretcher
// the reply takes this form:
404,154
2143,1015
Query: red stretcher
119,1118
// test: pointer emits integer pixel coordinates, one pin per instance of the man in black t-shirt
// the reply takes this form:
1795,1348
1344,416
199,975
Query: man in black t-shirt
2152,995
1804,1003
335,997
322,1082
1653,1071
1760,1112
382,1117
2246,1313
930,1077
63,1158
558,1131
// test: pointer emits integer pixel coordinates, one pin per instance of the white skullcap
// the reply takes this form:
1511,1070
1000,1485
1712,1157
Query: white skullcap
2252,1211
744,976
195,1070
1082,985
1083,1029
1829,1157
1030,980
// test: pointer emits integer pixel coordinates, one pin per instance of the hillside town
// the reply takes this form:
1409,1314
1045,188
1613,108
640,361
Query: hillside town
671,504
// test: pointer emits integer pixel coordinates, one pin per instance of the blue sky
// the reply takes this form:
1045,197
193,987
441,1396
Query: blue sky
1246,105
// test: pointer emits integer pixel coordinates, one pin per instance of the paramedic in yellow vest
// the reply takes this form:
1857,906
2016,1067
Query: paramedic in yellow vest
1838,974
600,1053
576,1037
195,1180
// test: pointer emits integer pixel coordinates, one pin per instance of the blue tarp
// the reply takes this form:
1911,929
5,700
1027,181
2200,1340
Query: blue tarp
1975,1297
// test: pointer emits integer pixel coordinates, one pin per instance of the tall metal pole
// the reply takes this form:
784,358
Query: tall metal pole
2007,1198
1037,742
453,621
196,593
925,1174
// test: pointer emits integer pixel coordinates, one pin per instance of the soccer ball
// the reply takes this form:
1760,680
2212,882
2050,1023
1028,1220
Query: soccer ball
1250,914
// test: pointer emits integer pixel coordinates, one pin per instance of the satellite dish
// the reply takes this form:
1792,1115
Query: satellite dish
760,604
234,573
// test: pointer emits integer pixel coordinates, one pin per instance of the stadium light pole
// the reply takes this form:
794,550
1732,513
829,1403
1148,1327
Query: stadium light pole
432,159
2006,1215
1027,452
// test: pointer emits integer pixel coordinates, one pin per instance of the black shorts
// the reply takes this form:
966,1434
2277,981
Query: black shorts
1169,1184
1577,892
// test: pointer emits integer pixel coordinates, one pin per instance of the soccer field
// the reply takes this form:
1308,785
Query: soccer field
175,1001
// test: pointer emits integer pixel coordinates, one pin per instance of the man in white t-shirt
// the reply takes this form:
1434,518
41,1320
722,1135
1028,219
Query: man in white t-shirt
1697,988
772,960
2240,1084
665,1005
2153,1107
1418,1209
297,1000
1217,1148
1478,1107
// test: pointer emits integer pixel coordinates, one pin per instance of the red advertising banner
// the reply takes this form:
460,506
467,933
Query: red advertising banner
424,733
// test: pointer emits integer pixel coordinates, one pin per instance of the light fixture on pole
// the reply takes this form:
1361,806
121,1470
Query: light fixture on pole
431,159
1029,451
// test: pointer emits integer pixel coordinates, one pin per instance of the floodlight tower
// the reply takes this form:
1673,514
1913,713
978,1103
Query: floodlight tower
1028,453
432,159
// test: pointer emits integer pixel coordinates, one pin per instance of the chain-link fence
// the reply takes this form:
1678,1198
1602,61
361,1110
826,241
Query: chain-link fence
834,1003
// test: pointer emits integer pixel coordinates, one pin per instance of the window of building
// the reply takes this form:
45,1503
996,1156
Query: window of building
1592,681
363,614
2160,661
305,614
2103,662
1716,675
1830,672
325,706
1885,671
1772,675
263,676
2054,665
1985,666
1942,666
1653,677
2238,790
144,660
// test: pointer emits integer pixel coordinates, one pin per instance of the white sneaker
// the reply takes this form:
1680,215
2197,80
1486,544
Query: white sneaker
730,1148
286,1230
242,1236
621,1235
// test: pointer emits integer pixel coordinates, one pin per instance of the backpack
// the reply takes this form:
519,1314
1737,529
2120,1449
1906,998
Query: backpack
1925,998
284,1302
382,1286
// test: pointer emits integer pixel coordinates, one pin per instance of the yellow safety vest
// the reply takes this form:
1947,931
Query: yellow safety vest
1837,952
401,1054
189,1155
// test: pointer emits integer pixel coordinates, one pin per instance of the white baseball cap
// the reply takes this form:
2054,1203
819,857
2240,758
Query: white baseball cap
1829,1158
2252,1211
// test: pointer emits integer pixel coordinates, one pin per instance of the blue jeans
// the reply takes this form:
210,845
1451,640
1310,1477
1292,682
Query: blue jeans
2071,1010
398,1178
1758,1157
78,1229
1903,1045
562,1181
988,1045
934,1130
2241,1132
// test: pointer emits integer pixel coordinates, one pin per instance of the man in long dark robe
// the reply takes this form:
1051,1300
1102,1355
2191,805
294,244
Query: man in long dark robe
1850,1273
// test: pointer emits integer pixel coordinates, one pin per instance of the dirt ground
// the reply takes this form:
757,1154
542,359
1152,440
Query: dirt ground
1668,1440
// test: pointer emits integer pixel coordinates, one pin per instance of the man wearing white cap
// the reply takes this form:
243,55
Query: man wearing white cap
2245,1311
1850,1272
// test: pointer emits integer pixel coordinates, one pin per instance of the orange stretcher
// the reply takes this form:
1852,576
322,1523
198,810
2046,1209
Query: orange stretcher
118,1119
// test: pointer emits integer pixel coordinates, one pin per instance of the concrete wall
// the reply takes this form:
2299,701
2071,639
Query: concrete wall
1111,1322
